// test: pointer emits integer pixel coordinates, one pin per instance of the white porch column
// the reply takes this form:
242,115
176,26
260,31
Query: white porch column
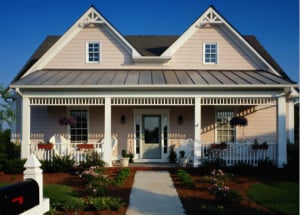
197,132
25,138
107,146
291,125
281,131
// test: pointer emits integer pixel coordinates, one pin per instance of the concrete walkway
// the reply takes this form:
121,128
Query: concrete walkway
153,193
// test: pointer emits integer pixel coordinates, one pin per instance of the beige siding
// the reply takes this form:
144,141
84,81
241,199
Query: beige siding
73,54
230,56
180,132
261,124
207,124
44,123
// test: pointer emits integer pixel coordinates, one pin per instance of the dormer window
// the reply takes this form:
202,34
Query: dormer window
210,53
93,52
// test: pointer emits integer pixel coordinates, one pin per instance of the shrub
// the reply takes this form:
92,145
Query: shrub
74,204
58,164
105,203
15,166
173,155
122,176
97,182
92,159
185,178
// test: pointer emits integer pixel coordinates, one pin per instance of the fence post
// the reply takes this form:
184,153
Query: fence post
33,171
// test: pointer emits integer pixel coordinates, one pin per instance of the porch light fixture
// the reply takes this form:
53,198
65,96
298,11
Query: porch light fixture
180,120
123,119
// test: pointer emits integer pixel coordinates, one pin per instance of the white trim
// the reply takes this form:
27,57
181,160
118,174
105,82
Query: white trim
281,131
204,53
291,123
162,113
87,51
80,108
217,108
25,129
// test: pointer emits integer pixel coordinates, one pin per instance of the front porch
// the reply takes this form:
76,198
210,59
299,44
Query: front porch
105,129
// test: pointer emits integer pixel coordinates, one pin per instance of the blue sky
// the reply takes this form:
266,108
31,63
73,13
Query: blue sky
25,24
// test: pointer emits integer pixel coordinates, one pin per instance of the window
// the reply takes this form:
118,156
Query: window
210,53
225,132
93,52
79,132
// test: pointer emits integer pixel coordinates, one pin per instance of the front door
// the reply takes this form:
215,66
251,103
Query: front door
151,136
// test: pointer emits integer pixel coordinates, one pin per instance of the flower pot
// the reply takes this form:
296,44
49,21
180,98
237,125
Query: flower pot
182,162
85,146
124,162
47,146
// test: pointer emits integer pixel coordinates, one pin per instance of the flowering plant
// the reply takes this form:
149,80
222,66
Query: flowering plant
97,182
221,191
67,120
238,120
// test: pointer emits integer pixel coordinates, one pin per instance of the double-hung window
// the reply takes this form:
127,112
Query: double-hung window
210,53
224,131
79,131
93,52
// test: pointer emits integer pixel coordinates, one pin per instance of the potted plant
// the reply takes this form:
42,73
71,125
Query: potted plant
125,159
47,146
182,161
67,120
173,156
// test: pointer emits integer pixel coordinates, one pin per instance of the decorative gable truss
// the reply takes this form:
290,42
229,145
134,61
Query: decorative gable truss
91,18
210,17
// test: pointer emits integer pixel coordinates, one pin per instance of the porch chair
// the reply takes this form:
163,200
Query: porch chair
61,144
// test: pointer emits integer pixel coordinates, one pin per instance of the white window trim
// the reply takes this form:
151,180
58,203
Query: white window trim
216,129
87,51
88,121
203,55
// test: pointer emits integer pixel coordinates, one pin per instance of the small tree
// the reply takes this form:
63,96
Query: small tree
6,113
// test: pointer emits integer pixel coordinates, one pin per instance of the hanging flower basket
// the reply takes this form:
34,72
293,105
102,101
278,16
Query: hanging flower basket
218,146
238,120
67,120
47,146
85,146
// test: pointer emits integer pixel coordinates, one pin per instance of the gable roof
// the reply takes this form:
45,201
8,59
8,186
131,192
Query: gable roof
148,46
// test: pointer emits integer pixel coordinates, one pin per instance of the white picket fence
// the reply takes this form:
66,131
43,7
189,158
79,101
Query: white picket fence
67,149
236,153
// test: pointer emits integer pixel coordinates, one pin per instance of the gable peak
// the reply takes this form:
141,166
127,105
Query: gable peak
210,16
91,17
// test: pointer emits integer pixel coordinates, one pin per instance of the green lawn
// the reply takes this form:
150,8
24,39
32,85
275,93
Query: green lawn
280,196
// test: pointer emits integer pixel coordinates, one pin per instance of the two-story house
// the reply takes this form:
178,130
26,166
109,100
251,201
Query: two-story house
148,94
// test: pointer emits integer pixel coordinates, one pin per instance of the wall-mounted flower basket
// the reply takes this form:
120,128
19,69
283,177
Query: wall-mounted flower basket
85,146
256,146
218,146
238,120
47,146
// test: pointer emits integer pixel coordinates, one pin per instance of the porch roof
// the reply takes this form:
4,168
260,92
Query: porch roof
151,78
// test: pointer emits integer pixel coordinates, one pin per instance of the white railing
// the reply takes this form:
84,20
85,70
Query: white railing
77,153
235,153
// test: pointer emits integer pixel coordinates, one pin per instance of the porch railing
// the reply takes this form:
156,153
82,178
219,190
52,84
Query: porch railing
77,152
234,153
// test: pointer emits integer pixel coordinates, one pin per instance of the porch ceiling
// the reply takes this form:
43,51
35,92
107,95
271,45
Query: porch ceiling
150,78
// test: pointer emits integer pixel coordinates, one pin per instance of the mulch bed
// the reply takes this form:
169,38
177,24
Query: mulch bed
192,198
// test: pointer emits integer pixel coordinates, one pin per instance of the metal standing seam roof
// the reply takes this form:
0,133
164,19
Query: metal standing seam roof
146,78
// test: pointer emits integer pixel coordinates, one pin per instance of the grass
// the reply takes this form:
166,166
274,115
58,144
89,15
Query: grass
279,196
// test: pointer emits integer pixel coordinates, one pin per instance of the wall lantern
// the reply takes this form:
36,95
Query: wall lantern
123,119
180,120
